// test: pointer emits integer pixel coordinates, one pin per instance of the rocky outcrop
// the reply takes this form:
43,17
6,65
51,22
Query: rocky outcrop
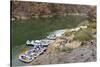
81,52
90,43
77,55
80,55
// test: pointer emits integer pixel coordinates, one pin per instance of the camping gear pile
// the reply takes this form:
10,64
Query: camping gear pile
38,46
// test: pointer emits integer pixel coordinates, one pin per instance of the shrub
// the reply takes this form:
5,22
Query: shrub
83,36
92,25
69,33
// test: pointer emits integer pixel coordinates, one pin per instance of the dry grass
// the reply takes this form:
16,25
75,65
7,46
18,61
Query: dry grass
73,44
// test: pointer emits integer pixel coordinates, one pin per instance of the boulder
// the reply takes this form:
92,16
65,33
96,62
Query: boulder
90,43
80,55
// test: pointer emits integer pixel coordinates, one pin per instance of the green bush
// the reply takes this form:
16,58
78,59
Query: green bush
92,25
69,33
83,36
